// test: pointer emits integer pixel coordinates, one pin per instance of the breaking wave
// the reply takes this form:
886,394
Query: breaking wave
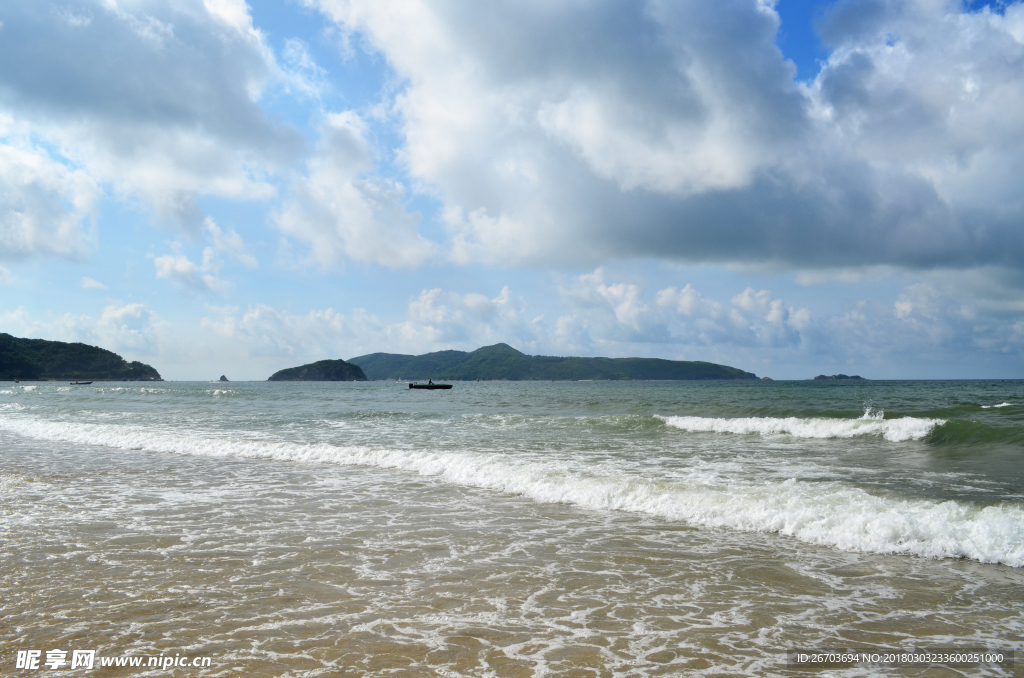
872,423
825,513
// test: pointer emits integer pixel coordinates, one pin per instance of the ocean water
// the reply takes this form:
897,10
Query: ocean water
511,529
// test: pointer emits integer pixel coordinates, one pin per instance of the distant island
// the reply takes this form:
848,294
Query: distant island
501,361
837,377
42,360
322,370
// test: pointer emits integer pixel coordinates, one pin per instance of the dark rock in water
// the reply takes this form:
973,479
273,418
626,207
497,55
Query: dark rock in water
837,377
223,378
323,370
43,360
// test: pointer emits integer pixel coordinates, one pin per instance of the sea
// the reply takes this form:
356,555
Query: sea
511,528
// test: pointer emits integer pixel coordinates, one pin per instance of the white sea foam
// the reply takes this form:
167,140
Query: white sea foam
129,389
986,407
872,423
6,392
30,388
825,513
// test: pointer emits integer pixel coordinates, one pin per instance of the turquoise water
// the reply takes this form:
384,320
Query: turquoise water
502,528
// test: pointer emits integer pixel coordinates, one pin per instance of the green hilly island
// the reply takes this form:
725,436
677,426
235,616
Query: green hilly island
322,370
501,361
39,359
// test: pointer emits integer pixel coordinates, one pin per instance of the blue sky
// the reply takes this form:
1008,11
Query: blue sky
791,187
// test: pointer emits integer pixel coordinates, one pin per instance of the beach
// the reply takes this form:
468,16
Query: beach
511,529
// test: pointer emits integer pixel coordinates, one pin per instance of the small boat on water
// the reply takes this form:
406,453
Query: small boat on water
80,383
431,386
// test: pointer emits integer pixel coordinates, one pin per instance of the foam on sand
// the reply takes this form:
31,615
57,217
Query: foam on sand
872,423
826,513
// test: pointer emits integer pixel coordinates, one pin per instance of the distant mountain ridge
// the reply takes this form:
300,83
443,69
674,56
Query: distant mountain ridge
322,370
39,359
501,361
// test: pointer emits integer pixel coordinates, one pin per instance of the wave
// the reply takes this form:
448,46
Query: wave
988,407
872,423
825,513
960,433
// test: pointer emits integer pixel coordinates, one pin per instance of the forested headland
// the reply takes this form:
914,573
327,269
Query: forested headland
501,361
40,359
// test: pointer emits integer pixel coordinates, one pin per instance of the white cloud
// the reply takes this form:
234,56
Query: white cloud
765,317
72,19
688,301
576,133
466,320
234,13
623,299
609,311
344,214
265,331
131,330
925,85
88,283
1017,335
842,274
231,243
529,123
178,120
45,206
996,290
5,276
753,329
204,277
434,320
302,74
680,155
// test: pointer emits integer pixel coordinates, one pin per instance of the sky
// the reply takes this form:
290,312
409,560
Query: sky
792,188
